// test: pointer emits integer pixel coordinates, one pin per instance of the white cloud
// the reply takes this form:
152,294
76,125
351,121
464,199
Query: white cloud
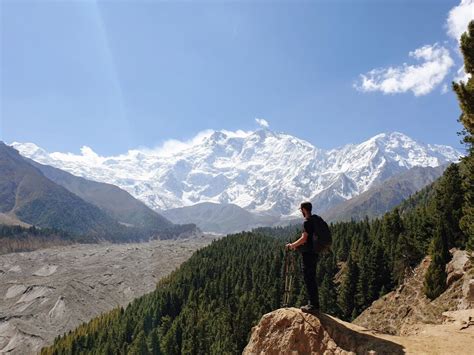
87,156
420,79
456,24
237,134
174,146
168,148
459,17
262,122
444,88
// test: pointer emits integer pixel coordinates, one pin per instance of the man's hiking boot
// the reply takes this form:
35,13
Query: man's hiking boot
309,308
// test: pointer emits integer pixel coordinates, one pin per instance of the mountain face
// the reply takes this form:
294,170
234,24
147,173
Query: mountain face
75,205
260,171
27,195
383,197
117,203
219,218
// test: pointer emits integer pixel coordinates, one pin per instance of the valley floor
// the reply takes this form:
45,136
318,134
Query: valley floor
47,292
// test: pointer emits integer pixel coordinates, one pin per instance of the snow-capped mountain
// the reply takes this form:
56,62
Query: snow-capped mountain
261,171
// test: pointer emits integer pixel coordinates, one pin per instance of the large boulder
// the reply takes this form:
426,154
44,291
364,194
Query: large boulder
457,267
291,331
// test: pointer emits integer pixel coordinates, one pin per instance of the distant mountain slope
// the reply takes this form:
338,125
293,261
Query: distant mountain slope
10,220
116,202
218,218
26,194
261,171
382,198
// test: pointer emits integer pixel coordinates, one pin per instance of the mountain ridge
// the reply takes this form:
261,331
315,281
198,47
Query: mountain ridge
386,195
26,194
116,202
96,211
260,171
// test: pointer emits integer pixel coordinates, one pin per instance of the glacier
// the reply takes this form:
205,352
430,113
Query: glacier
262,171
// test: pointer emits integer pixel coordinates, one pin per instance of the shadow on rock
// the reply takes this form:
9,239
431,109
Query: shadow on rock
357,341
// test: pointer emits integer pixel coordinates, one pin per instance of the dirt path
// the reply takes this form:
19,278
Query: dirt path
453,337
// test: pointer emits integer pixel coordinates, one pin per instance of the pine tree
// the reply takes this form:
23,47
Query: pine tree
448,206
348,289
392,227
327,288
465,95
406,257
154,342
435,278
139,346
465,91
362,293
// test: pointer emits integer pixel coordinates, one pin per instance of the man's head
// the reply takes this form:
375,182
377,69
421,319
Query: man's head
306,208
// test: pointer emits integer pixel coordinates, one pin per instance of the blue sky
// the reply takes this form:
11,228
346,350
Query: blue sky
120,75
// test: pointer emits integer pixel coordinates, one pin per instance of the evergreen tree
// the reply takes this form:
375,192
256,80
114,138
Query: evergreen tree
392,228
327,289
139,346
465,94
448,203
465,91
362,287
348,289
154,342
435,278
406,257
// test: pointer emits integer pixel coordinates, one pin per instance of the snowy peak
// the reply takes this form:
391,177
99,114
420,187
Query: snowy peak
31,150
262,171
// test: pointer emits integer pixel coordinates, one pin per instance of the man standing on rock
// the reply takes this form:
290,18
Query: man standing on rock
305,245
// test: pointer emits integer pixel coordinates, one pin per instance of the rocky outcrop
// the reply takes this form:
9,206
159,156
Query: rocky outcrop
290,331
460,268
457,267
468,293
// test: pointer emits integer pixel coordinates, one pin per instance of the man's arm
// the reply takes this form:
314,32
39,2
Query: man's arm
296,244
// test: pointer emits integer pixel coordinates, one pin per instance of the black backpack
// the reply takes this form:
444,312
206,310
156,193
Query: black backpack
322,238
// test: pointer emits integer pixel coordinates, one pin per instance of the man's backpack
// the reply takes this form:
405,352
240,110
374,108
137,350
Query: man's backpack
322,238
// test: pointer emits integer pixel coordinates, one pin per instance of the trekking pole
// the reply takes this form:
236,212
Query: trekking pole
291,274
289,269
285,275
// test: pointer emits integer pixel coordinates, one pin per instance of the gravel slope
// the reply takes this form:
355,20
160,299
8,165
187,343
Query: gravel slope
47,292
